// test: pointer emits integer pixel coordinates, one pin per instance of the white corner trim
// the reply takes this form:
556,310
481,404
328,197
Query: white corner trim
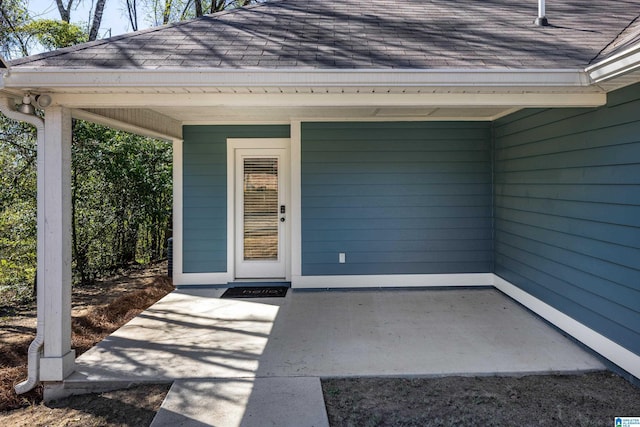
621,63
392,280
177,211
296,198
619,355
231,205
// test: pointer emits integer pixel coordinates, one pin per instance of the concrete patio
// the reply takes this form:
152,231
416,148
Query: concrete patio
220,345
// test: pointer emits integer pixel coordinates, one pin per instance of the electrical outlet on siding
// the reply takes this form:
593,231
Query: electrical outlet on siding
342,258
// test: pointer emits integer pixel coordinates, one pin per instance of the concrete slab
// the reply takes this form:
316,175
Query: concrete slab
248,402
194,334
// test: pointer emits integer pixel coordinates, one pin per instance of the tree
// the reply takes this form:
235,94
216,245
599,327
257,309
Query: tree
13,14
96,21
167,11
17,208
125,181
121,183
52,34
65,11
132,13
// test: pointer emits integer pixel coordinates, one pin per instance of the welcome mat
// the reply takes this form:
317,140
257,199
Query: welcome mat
256,292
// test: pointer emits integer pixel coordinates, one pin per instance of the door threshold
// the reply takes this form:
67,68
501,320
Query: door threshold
258,282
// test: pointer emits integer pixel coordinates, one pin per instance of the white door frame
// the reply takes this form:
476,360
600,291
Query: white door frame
234,144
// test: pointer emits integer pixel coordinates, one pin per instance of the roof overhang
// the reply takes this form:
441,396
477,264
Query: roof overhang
233,95
276,95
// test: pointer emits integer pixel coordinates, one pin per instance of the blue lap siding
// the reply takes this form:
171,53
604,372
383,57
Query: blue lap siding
396,198
567,211
205,192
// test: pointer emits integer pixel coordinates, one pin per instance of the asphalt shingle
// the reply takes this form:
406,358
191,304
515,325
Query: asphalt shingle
378,34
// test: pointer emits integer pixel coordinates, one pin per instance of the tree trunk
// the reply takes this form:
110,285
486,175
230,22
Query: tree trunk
97,19
198,4
65,13
167,12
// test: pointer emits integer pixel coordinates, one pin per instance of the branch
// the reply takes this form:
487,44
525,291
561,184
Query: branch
23,46
183,15
133,14
65,14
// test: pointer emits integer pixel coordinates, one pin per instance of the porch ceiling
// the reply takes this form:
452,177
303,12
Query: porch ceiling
268,104
204,115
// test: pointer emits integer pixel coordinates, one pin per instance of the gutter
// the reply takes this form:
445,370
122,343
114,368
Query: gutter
621,63
35,348
43,77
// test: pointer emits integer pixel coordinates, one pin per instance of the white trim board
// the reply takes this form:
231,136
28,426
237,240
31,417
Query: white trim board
392,281
178,278
602,345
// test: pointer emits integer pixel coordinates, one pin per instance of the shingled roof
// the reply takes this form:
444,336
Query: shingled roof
370,34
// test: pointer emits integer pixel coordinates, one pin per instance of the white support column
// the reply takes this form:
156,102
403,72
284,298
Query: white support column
54,244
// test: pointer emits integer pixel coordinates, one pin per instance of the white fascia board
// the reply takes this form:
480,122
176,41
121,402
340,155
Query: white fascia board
270,100
619,64
40,77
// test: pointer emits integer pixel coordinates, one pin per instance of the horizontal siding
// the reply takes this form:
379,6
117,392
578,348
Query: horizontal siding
205,192
567,211
397,198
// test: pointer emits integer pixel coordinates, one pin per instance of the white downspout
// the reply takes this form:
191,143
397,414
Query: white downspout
35,349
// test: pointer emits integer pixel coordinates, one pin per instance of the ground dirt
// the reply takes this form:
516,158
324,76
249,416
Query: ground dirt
592,399
97,310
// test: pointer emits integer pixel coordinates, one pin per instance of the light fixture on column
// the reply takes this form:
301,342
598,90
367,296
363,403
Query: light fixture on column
26,107
42,101
30,102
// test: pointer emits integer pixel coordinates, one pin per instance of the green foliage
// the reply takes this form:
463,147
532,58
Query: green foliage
17,208
18,248
13,14
121,203
122,197
53,34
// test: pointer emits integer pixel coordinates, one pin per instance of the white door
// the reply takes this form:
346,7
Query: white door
261,188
